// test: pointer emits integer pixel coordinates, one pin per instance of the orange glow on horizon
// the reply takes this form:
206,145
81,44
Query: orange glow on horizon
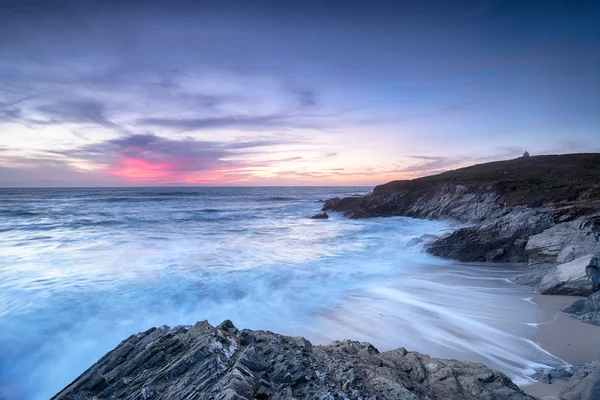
169,172
136,170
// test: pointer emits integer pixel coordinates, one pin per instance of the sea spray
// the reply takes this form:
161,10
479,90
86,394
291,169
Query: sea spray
82,269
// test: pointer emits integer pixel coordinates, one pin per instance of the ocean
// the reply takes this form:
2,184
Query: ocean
83,269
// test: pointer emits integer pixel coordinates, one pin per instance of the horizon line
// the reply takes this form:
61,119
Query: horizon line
178,187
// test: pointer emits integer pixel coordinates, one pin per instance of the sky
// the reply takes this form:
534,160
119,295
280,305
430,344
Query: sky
150,93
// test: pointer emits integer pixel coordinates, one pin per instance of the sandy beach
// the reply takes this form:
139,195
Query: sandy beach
567,338
469,311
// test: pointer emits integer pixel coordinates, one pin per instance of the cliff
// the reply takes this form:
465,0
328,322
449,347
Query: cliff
475,193
202,362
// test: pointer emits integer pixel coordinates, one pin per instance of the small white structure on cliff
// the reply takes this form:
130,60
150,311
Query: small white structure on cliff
526,154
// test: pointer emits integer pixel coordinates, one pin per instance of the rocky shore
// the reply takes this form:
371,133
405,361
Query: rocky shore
205,362
541,211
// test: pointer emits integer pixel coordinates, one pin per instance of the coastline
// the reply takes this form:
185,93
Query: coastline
519,211
571,340
486,278
476,314
511,325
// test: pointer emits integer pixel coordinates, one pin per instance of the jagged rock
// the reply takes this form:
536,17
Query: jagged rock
500,239
448,201
560,244
202,362
564,242
548,375
482,191
584,384
593,270
322,215
569,278
586,310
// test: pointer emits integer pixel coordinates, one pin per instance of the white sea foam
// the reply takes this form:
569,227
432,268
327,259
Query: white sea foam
83,269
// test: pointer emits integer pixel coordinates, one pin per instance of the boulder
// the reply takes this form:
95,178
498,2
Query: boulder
564,242
322,215
569,278
584,384
202,362
586,310
593,270
548,375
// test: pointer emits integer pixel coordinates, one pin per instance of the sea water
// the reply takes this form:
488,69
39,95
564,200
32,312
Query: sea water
82,269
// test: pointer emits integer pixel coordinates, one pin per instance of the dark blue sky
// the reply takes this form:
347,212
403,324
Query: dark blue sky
297,92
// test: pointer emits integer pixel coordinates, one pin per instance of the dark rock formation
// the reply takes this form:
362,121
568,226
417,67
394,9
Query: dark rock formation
322,215
446,201
500,239
565,241
581,382
593,270
584,384
202,362
562,243
479,192
549,375
586,310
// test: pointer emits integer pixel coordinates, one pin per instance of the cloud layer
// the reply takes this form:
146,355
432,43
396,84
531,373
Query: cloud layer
286,93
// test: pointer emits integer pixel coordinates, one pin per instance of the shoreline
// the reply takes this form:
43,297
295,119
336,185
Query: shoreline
506,326
580,347
490,279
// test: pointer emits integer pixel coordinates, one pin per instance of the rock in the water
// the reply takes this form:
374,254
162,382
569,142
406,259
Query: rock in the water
586,310
202,362
322,215
569,278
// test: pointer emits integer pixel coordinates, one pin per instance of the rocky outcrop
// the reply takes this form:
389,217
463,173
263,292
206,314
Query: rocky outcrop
448,201
501,239
593,270
586,310
569,278
565,241
584,384
553,374
202,362
479,192
580,382
542,211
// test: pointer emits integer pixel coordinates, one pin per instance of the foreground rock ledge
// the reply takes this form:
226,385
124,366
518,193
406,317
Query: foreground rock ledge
202,362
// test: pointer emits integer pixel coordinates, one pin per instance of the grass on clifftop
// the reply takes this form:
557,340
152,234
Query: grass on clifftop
533,181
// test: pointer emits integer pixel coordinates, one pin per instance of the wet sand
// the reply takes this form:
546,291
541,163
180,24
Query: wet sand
457,311
567,338
467,312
